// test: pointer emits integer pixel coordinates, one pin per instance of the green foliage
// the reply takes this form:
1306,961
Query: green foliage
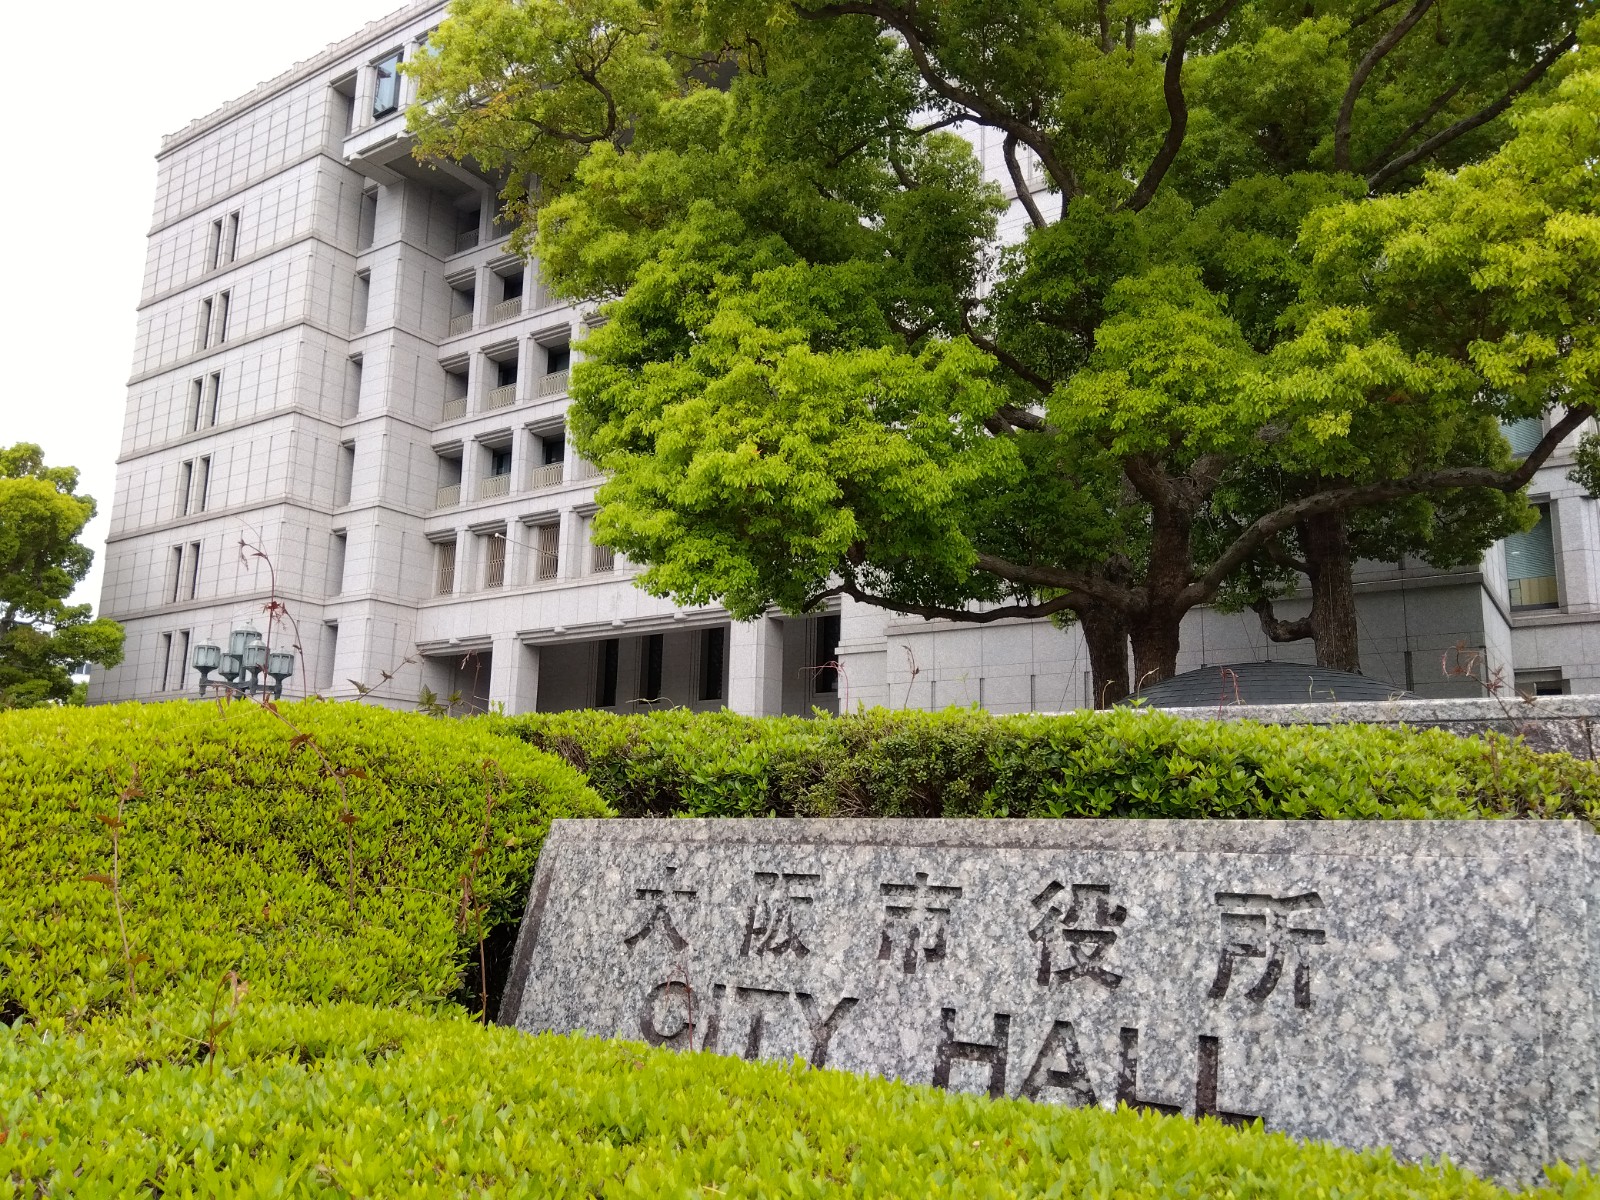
339,1100
824,367
1122,763
232,856
42,637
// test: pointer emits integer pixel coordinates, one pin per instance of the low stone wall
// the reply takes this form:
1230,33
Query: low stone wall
1569,723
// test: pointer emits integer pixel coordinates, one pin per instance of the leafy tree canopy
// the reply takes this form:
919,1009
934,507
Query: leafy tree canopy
43,638
1240,334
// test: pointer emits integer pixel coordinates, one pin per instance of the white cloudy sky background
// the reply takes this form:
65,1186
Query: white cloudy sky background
90,101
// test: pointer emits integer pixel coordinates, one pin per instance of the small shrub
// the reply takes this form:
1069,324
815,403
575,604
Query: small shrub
1122,763
341,1100
231,855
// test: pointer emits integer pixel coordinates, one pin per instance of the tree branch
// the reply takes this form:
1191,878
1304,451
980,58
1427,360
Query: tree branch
1279,630
1365,495
1024,192
1004,357
1369,62
1105,27
1482,117
1383,6
937,611
987,110
1177,106
1416,127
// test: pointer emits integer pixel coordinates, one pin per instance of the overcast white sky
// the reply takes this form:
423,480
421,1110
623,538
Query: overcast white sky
90,101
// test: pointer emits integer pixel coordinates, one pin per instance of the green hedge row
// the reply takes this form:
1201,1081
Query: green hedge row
341,1100
1121,763
234,856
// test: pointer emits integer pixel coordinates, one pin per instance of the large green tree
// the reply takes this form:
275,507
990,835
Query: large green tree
43,639
825,369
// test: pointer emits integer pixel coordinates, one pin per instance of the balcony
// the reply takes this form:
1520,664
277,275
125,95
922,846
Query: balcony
545,565
582,469
446,583
553,384
466,240
454,409
506,310
460,323
602,560
502,397
449,496
546,477
494,485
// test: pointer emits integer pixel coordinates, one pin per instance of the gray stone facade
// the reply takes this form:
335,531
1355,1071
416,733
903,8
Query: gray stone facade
1424,985
1552,723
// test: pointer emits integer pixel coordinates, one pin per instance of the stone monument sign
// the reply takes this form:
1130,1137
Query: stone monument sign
1425,985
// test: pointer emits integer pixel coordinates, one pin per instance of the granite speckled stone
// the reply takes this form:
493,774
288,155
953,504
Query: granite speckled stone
1424,985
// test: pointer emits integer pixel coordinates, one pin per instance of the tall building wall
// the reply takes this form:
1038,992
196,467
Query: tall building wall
338,361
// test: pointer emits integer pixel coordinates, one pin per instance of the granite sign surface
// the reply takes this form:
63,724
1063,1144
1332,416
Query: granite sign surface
1425,985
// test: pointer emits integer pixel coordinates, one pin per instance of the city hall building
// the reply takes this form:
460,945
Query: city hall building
340,364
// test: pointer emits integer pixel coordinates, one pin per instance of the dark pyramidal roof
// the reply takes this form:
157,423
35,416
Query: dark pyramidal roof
1266,683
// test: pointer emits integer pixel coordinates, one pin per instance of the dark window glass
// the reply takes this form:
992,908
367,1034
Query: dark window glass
827,652
386,92
650,667
508,373
713,651
513,286
555,449
606,686
500,462
557,358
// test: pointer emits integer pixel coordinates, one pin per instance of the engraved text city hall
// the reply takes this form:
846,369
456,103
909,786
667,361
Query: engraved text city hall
1428,986
1262,942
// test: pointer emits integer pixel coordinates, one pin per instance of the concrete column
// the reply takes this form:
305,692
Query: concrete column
569,545
529,368
365,81
471,469
1571,520
755,667
408,84
466,560
517,554
514,675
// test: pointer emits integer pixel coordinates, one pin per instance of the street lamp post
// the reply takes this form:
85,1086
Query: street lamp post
245,666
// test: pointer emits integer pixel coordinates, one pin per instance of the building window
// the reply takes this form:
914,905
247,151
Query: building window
494,559
386,86
362,301
826,653
194,569
445,572
166,662
546,555
176,589
185,572
185,487
224,306
183,655
713,657
1524,435
336,554
207,315
367,220
344,476
467,222
605,691
650,667
224,244
1546,682
202,473
1531,565
205,397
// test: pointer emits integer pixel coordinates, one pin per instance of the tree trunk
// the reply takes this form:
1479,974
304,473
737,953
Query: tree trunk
1155,647
1106,633
1325,542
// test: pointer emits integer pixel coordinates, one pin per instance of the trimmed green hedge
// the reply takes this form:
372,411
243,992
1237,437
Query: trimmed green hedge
345,1101
1122,763
234,857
